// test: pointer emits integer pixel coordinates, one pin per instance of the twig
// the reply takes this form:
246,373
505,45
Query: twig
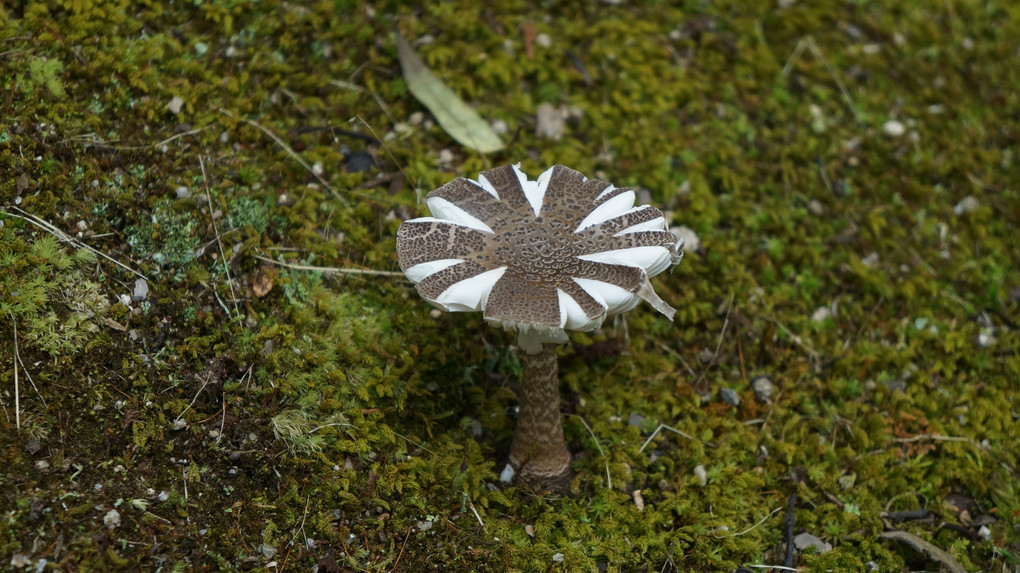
718,344
774,511
675,431
293,154
809,43
223,255
46,226
17,397
331,270
402,545
937,438
475,511
797,339
790,522
609,480
204,384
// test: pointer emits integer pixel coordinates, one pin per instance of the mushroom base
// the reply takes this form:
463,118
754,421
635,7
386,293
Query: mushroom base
538,449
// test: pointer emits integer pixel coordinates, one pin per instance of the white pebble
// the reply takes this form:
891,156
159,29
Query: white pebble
968,204
701,474
893,128
821,314
175,105
112,519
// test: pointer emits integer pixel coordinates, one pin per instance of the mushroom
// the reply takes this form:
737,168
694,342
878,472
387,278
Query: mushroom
539,258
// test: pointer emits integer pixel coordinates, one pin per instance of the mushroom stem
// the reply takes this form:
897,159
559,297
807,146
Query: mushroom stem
538,449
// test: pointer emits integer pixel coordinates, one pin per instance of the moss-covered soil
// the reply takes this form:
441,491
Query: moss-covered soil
850,169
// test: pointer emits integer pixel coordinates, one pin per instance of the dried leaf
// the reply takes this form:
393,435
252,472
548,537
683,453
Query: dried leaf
262,283
925,547
459,120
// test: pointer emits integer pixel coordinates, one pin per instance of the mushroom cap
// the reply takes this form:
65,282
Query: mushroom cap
538,257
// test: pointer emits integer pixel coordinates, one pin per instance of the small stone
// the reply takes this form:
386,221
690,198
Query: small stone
557,558
183,192
806,540
730,396
507,475
985,338
821,314
549,123
163,496
32,446
500,127
706,355
445,158
639,500
416,118
214,433
636,420
699,472
985,533
359,162
42,465
435,313
763,389
689,240
20,560
530,530
175,105
816,208
112,519
870,260
179,424
968,204
267,550
543,40
893,128
424,525
141,290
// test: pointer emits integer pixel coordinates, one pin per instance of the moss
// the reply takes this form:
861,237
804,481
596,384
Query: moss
336,409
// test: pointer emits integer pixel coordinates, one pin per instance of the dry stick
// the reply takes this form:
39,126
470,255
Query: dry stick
773,512
332,270
17,398
223,255
609,480
809,43
402,545
17,356
790,521
293,154
675,431
44,225
718,344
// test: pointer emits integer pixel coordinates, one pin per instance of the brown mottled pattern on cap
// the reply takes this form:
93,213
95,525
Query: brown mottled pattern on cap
663,239
421,242
569,195
504,179
627,278
540,253
591,307
513,299
472,198
616,224
435,284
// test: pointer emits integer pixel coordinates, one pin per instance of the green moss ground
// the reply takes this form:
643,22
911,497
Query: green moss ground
254,416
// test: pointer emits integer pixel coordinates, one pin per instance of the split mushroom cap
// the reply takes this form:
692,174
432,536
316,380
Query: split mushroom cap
539,257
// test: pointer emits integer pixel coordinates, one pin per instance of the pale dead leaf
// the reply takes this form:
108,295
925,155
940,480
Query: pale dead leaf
459,120
925,547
